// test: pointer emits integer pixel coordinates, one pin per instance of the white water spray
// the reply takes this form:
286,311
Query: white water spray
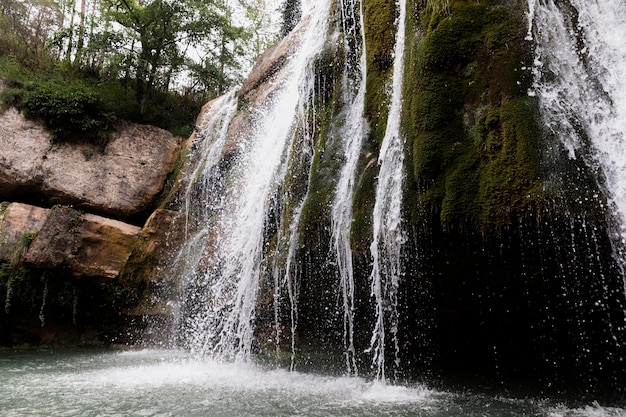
580,73
352,135
388,234
226,270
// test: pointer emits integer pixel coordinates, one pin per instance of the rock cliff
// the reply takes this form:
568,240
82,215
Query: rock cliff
499,262
74,211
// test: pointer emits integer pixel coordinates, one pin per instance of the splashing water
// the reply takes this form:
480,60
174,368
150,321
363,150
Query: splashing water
580,79
221,261
388,234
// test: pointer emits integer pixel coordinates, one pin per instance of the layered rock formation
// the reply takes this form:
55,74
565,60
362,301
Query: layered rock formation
75,210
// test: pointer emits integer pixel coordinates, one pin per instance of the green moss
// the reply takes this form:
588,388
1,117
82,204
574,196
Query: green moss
379,22
3,208
361,232
511,179
321,179
470,127
322,182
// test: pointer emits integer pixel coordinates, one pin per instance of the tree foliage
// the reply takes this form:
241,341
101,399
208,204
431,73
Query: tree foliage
159,53
67,110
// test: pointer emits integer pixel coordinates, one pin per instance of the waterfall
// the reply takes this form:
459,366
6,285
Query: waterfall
44,298
231,200
388,236
352,135
580,80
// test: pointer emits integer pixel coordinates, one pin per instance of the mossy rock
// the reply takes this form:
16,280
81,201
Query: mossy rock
379,19
471,129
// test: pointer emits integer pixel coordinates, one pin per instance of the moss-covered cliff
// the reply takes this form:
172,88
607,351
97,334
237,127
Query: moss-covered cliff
471,128
491,212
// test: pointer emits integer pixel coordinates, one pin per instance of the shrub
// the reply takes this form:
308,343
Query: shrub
10,97
68,111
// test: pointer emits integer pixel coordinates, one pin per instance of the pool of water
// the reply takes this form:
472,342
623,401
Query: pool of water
170,383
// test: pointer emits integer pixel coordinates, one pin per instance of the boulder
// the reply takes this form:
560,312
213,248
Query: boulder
122,180
62,237
152,250
24,145
87,244
19,223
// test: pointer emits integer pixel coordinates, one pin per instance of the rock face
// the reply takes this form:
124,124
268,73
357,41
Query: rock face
18,225
65,275
122,180
499,273
257,90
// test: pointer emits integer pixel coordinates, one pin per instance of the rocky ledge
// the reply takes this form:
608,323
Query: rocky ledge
81,231
120,180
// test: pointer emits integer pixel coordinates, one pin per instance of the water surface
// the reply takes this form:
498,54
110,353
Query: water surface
170,383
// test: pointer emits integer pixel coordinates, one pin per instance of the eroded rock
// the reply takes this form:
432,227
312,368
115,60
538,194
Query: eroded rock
19,223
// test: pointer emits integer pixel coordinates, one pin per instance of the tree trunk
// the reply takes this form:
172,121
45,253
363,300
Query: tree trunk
81,33
71,32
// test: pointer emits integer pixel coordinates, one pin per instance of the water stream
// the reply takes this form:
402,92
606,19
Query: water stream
222,278
353,134
388,234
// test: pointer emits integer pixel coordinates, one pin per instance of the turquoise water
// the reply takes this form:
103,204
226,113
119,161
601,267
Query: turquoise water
169,383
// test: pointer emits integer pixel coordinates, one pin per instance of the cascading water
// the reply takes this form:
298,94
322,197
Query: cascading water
221,261
388,234
268,262
580,80
353,134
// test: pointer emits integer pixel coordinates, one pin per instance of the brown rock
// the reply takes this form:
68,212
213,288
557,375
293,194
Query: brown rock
87,244
19,223
23,147
152,248
261,83
265,78
122,181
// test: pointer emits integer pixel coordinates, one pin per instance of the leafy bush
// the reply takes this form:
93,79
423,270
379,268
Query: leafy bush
117,98
171,111
12,73
68,111
10,97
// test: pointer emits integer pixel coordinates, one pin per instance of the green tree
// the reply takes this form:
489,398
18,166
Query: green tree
25,27
259,24
164,33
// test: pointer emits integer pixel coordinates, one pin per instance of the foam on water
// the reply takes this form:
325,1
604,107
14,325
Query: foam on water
167,383
171,383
